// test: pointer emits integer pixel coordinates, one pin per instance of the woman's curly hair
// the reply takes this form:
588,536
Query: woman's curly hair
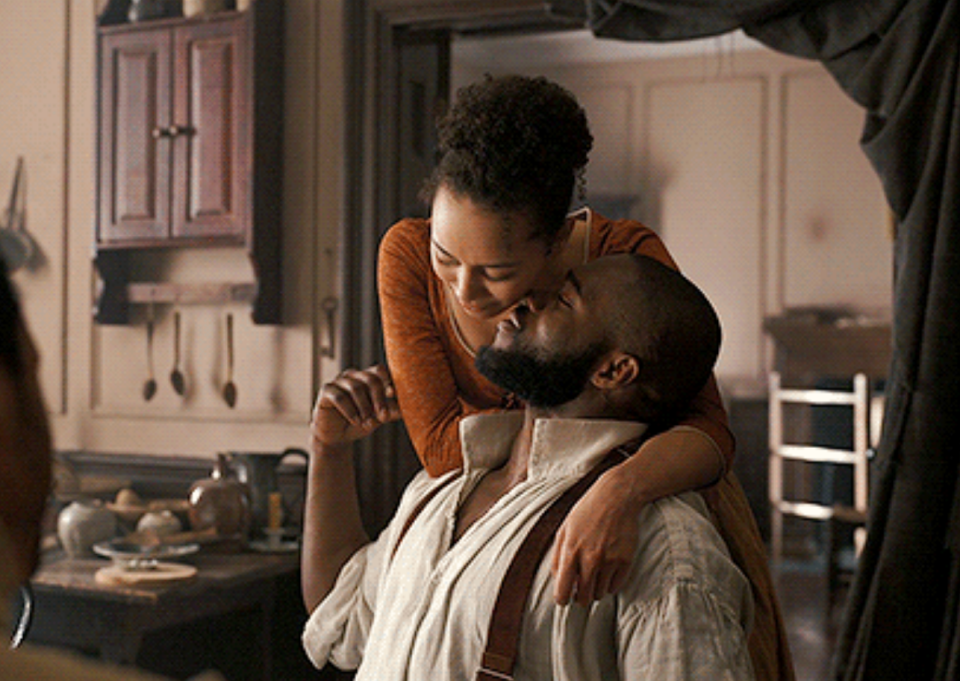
514,144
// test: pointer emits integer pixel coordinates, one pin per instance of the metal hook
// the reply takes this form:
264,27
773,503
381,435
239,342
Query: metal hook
330,305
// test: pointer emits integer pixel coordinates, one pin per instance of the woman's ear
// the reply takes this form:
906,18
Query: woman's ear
617,370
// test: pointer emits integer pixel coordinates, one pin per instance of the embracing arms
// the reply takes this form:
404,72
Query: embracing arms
437,387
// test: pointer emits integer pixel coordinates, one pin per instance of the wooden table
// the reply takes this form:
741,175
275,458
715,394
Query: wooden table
73,610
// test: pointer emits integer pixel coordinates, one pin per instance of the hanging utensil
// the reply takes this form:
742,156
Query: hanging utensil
150,385
230,388
176,376
16,246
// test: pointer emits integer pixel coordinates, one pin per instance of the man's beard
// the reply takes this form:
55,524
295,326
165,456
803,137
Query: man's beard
540,382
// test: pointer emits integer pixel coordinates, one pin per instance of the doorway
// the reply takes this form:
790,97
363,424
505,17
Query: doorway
771,195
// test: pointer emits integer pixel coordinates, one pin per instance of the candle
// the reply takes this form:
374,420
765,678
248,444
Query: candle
275,511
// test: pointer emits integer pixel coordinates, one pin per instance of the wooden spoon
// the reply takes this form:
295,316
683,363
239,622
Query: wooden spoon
230,388
176,376
150,385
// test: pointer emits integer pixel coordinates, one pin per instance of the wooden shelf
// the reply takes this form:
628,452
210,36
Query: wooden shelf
841,347
209,293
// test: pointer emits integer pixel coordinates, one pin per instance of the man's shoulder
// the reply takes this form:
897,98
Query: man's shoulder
679,541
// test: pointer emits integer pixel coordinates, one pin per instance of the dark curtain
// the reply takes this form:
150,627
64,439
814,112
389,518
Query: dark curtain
898,59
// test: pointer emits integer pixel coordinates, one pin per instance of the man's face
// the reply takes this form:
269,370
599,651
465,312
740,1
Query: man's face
545,351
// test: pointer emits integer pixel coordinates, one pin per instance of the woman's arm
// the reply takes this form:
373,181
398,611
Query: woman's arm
596,544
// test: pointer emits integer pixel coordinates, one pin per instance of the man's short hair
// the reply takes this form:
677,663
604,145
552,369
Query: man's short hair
662,318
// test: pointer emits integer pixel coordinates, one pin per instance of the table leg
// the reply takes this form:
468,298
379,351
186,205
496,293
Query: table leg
121,637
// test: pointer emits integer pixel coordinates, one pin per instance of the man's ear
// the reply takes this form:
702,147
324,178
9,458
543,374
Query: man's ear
617,370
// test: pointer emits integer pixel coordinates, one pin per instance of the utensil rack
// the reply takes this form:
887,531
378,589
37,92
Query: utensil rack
206,293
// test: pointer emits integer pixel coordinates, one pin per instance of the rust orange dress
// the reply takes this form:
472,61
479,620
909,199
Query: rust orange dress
437,385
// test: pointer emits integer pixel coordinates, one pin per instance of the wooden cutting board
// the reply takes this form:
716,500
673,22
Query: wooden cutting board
161,574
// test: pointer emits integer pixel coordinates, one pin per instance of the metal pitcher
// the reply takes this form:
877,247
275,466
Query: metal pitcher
258,471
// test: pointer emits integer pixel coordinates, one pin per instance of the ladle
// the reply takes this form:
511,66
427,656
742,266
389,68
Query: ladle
16,245
230,388
176,376
150,385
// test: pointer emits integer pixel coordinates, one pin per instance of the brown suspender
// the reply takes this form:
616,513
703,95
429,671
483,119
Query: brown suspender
503,634
416,511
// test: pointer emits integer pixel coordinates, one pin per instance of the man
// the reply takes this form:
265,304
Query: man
626,342
25,450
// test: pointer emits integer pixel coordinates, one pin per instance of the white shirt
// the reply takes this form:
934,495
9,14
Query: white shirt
423,614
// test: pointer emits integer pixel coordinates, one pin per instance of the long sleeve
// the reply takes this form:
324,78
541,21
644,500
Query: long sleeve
436,382
683,615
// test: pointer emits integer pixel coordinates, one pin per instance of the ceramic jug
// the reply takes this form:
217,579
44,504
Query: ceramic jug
219,502
161,522
258,471
192,8
82,524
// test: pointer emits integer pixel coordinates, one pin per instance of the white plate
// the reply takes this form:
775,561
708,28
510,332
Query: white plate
157,575
131,556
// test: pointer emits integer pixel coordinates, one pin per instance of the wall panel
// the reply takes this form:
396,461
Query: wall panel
706,154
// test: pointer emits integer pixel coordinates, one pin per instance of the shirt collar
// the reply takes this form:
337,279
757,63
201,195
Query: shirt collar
561,447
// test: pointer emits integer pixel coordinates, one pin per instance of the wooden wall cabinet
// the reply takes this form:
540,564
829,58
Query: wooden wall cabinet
189,149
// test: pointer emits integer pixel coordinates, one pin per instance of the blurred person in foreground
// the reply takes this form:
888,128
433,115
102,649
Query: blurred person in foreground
25,476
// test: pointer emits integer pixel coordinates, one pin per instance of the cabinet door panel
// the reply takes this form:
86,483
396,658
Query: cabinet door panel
134,147
208,164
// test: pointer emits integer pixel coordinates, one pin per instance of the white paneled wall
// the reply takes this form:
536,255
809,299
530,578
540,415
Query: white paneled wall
745,161
834,227
705,154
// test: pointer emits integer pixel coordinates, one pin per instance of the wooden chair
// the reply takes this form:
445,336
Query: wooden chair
781,451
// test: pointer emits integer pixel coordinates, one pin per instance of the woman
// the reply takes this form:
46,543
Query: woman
512,149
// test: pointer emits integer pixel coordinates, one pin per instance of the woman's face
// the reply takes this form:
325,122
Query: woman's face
488,262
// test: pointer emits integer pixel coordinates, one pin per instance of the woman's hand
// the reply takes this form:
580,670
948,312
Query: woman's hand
596,544
353,405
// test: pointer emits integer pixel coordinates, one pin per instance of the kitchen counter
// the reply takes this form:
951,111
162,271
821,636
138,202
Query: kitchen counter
74,610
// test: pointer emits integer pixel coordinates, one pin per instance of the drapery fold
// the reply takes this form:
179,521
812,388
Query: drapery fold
899,60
